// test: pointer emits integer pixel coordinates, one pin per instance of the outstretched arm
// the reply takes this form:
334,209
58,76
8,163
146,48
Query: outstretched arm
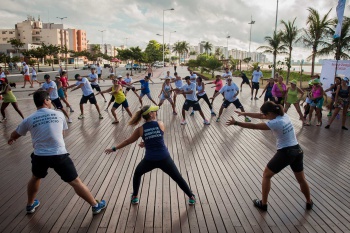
136,134
251,114
259,126
14,136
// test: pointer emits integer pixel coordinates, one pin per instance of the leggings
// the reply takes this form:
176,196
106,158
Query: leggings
206,99
166,165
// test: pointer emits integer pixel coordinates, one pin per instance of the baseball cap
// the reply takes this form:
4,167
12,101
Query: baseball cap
46,76
346,79
57,76
151,108
119,76
316,81
294,82
76,76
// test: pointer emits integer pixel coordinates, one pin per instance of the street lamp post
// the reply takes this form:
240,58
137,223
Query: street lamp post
102,39
65,43
274,58
228,37
171,9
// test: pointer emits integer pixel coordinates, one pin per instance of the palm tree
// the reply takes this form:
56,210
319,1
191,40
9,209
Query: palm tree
275,46
289,37
218,52
339,45
185,48
315,33
207,46
177,49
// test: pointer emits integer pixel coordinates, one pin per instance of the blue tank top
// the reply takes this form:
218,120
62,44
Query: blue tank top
344,94
154,141
269,90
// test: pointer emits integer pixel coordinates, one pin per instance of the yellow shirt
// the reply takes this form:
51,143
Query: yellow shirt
119,96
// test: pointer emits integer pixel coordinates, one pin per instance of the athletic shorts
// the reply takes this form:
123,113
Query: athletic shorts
280,100
292,156
60,93
148,95
237,104
57,103
62,164
84,99
112,99
97,87
132,88
255,85
194,104
318,103
124,104
26,77
246,80
99,75
269,97
34,77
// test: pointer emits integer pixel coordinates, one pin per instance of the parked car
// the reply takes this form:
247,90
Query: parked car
106,65
134,66
128,66
158,65
86,67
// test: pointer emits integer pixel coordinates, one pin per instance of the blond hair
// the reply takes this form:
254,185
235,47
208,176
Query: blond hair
136,118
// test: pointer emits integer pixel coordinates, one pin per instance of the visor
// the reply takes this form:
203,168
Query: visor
152,108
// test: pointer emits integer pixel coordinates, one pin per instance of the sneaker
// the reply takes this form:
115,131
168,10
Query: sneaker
71,110
100,116
101,205
246,119
213,113
206,122
256,98
106,109
81,116
192,113
329,114
183,122
327,126
258,203
192,200
31,208
251,98
69,120
344,128
218,119
3,119
134,200
309,205
174,113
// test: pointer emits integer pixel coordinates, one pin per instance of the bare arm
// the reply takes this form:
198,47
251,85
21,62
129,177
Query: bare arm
77,87
264,89
259,126
136,134
251,114
14,136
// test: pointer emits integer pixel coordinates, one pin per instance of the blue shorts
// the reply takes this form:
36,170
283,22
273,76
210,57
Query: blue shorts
60,93
318,103
124,104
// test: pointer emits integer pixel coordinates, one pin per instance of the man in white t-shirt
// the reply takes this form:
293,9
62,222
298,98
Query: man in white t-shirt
99,72
46,127
51,88
26,75
256,76
2,73
189,89
93,78
88,94
230,91
227,73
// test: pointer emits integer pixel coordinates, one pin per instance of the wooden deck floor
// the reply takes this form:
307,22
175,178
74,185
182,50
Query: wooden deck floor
223,166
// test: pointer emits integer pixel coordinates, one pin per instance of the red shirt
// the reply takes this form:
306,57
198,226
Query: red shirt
122,82
64,81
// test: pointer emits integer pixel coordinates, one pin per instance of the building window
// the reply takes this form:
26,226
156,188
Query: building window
11,32
3,32
4,39
37,33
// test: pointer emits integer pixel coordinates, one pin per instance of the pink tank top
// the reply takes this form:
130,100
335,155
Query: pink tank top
316,92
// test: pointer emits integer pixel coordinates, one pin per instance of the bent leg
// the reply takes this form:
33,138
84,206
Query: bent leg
33,189
143,167
304,186
83,191
266,184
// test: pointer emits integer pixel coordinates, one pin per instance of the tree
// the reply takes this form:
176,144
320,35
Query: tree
218,52
289,37
193,53
153,52
185,48
207,46
212,63
38,53
233,63
52,51
4,58
339,46
16,44
247,60
136,55
275,47
315,33
65,51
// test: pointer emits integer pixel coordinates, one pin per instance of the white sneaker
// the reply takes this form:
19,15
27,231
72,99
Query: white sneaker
70,120
206,122
81,116
183,122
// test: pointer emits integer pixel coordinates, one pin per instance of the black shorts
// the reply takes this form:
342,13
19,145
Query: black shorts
292,156
255,85
57,103
84,99
62,165
112,99
124,104
246,80
132,88
97,87
99,75
269,97
280,100
237,104
194,104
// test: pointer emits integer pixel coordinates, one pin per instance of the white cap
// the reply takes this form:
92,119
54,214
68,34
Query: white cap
119,76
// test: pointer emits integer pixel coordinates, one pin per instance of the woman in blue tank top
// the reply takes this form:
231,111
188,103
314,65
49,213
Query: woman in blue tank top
157,154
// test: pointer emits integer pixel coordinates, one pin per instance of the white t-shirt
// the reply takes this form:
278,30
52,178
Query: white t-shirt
93,77
193,78
179,83
2,74
128,80
99,70
46,127
87,89
26,70
33,72
53,93
283,130
230,91
191,87
226,75
256,76
199,88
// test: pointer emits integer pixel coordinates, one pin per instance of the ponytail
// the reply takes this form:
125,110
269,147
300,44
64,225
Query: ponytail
136,118
272,107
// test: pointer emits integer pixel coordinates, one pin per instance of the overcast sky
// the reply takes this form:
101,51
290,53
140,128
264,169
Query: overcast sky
193,20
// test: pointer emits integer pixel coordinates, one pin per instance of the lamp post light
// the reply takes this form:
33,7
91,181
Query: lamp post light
274,58
102,39
171,9
250,34
227,37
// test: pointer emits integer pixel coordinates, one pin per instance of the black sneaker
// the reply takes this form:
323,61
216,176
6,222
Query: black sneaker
344,128
258,203
309,205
